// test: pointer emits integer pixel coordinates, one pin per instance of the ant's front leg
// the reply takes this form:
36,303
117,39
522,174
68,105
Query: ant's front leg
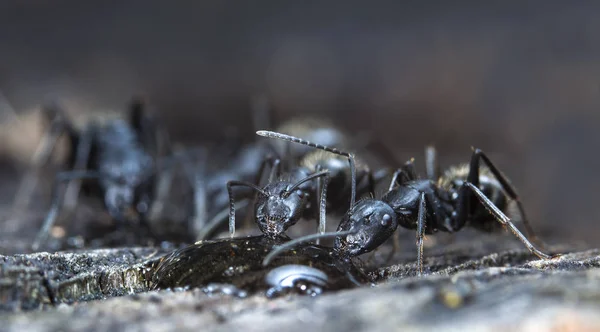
322,183
421,224
230,186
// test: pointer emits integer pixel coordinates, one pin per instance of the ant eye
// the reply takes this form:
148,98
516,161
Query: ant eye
386,220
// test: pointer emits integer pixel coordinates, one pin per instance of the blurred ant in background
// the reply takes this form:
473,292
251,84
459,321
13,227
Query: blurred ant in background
119,159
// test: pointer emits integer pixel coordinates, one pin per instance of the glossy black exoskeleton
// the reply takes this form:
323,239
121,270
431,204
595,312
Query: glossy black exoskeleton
309,269
290,196
118,158
467,195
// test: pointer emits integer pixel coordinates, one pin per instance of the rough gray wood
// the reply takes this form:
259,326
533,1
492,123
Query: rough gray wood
503,290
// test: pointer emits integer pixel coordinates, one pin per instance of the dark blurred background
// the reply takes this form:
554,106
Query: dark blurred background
520,80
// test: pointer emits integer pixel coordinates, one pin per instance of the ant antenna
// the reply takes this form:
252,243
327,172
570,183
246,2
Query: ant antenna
350,156
306,179
290,244
230,186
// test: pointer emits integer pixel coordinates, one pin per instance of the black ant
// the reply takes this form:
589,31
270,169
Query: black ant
296,164
445,203
120,156
288,197
250,162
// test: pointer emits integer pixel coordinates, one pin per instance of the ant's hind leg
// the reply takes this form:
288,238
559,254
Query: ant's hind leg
505,221
473,178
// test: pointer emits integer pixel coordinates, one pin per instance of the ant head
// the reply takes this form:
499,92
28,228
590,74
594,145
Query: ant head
119,201
371,223
280,208
122,181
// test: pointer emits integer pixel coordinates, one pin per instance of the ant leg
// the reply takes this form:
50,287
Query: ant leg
217,220
196,177
404,174
421,224
322,183
376,177
350,156
473,178
274,172
82,156
40,158
145,125
158,191
57,200
432,165
230,186
504,220
322,189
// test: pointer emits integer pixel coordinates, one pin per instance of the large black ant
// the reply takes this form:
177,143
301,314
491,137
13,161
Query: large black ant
120,156
290,196
445,203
